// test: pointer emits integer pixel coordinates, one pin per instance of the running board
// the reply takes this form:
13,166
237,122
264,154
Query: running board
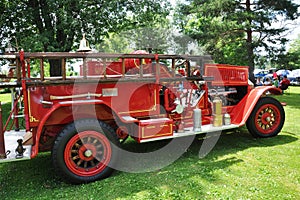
189,132
11,145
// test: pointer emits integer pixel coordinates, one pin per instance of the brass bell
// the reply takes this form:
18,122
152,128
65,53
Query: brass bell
84,45
10,49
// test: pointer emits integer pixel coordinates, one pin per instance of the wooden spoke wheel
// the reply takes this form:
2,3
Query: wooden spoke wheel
85,151
267,118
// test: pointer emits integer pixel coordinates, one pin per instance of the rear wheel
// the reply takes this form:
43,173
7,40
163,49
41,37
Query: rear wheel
267,118
85,151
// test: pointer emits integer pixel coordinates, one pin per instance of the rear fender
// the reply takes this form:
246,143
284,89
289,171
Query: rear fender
243,110
34,150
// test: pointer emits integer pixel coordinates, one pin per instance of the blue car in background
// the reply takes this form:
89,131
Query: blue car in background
260,73
291,75
264,73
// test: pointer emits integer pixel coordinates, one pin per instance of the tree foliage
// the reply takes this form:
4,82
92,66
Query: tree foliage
291,59
233,31
294,54
157,37
56,25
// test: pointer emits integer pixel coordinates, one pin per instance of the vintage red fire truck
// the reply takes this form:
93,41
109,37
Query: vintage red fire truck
148,97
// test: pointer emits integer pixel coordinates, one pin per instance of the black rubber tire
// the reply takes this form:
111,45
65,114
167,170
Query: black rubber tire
275,115
70,133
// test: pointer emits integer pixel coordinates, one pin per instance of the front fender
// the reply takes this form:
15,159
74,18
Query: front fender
243,109
34,150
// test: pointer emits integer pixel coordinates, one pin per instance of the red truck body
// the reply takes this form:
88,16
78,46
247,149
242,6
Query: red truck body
146,97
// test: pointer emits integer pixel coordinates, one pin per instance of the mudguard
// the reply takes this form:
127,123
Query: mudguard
34,150
242,111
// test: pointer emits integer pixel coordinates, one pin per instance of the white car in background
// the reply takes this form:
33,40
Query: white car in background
296,75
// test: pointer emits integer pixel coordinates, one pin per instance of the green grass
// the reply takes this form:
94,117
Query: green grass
238,167
5,100
6,97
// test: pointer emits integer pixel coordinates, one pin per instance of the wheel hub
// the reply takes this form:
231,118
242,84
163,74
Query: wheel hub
267,119
88,153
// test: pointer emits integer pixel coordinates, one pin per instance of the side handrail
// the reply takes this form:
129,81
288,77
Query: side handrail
88,95
24,88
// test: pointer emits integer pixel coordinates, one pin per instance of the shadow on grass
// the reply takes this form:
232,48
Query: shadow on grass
36,179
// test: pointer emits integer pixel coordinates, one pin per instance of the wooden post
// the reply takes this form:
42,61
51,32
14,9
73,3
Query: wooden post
28,69
141,67
2,144
42,69
63,69
173,67
188,68
84,69
18,70
157,66
104,66
123,67
24,88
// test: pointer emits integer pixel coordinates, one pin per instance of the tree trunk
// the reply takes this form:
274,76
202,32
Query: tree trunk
250,55
250,48
55,67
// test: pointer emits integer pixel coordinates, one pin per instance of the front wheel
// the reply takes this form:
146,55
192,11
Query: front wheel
267,118
85,151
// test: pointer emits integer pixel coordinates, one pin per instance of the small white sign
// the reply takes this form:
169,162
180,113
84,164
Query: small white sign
110,92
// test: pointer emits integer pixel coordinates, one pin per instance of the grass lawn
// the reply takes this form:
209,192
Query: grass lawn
6,107
4,98
238,167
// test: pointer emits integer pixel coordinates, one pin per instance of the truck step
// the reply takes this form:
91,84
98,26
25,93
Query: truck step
189,132
11,144
129,119
153,128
